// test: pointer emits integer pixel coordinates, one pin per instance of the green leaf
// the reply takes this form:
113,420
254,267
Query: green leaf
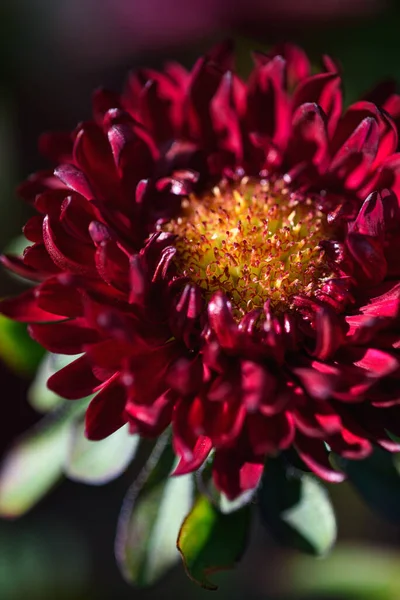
17,349
152,514
39,396
296,509
377,480
99,462
210,541
35,463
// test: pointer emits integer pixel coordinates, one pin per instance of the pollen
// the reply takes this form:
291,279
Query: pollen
255,241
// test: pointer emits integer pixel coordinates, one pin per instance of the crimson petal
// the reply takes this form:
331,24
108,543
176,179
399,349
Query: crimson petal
74,179
25,308
200,452
313,452
68,337
106,412
234,475
75,381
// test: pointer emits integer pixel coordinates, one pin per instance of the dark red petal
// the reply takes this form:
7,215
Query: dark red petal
268,435
25,308
353,117
185,315
92,154
61,294
383,301
185,425
330,65
75,381
224,387
297,64
160,107
38,183
75,180
363,329
110,353
200,452
56,145
329,333
33,229
353,160
317,419
309,140
315,456
17,266
369,258
185,376
225,114
268,109
138,280
76,214
177,73
322,89
376,362
222,321
222,421
206,76
350,446
387,175
113,265
105,413
222,55
50,201
131,145
38,258
149,370
68,337
155,416
234,475
319,385
104,100
370,220
258,387
65,252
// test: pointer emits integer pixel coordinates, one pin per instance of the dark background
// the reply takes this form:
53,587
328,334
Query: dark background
53,53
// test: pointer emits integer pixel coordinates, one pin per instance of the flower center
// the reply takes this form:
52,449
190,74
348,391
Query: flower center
254,241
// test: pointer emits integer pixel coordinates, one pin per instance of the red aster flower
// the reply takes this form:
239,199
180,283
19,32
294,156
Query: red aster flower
225,256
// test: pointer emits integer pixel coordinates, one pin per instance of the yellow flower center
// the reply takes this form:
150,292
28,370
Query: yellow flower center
252,240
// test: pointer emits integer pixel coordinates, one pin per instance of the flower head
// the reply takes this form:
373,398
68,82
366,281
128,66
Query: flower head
224,256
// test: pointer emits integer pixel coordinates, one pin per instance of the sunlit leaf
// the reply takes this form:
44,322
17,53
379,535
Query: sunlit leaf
102,461
296,509
210,541
152,514
17,349
35,463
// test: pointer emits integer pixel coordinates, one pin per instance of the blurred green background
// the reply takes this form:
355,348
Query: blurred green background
53,53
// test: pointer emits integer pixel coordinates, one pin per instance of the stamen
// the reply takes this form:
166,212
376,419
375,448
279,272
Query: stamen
254,241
